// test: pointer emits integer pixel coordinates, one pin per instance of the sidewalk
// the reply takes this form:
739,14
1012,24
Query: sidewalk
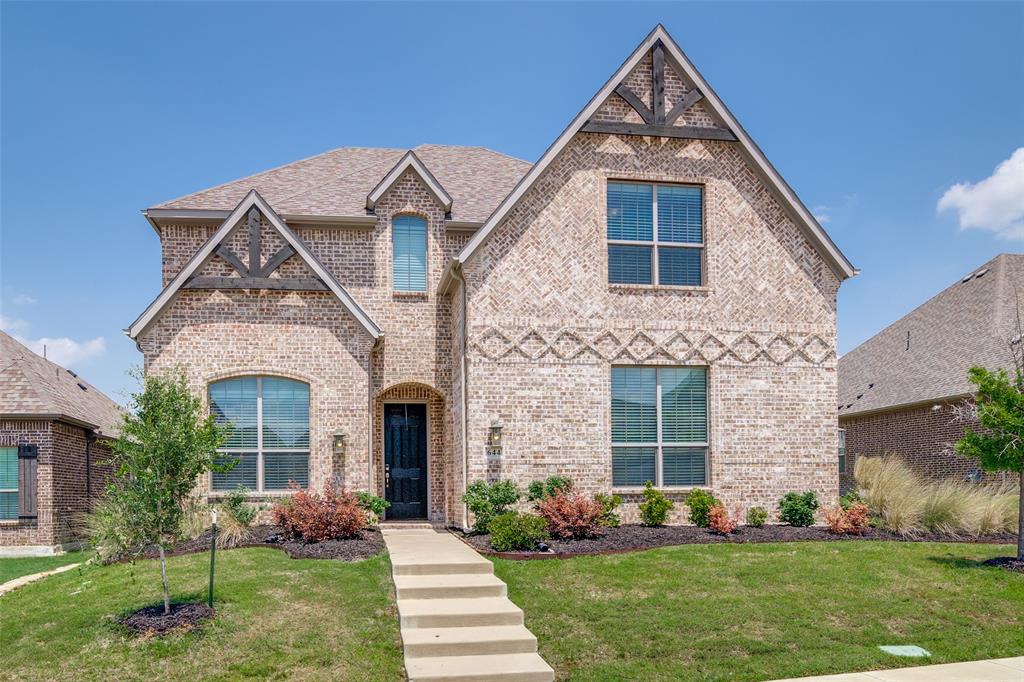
995,670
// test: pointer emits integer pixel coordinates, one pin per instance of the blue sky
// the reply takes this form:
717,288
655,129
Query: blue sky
872,112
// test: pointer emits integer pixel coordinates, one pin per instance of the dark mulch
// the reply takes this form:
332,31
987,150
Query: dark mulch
631,537
1008,562
369,543
151,621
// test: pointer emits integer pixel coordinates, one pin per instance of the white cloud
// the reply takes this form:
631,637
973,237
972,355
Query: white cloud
995,204
822,214
64,351
24,299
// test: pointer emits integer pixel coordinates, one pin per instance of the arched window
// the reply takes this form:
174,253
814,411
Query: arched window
409,253
270,434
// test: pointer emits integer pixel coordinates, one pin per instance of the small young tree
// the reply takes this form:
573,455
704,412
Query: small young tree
999,404
166,443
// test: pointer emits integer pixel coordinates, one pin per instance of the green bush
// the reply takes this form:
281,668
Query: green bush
486,501
700,503
655,507
609,503
798,510
514,532
552,485
235,504
849,499
756,516
373,506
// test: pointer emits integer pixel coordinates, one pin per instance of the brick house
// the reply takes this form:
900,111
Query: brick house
55,432
648,301
899,391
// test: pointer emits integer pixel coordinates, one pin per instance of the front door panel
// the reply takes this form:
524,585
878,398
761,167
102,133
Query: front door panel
405,460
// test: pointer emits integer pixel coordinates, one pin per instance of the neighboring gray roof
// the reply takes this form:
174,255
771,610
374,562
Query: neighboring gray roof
336,183
33,386
970,323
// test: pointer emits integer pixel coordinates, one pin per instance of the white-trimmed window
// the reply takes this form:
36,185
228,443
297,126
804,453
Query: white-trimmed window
842,451
270,436
659,426
8,484
655,234
409,253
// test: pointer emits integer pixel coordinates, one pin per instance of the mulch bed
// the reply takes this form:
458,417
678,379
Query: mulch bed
370,543
1008,562
629,538
151,621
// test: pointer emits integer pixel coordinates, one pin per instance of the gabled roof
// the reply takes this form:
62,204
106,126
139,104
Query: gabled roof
251,199
32,386
924,356
678,60
409,162
333,186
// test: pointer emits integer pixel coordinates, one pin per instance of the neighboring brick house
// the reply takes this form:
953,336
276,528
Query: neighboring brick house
648,301
55,432
900,390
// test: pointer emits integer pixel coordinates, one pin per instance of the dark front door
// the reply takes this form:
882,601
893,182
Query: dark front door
405,460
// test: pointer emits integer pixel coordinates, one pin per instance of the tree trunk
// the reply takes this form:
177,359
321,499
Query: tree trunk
1020,519
163,574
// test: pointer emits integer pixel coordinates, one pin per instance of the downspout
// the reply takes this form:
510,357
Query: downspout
457,271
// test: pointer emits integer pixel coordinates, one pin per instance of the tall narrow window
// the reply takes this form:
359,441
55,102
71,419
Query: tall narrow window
659,426
655,234
8,483
270,432
409,253
842,451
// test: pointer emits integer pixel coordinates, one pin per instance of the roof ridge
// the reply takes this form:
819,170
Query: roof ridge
344,175
473,146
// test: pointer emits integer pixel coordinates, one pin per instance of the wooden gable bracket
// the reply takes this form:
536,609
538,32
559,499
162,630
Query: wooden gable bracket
656,122
255,276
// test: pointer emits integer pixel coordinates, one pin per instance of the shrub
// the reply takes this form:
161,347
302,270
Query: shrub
609,503
655,507
756,517
333,515
512,532
798,510
486,501
721,521
853,520
538,490
700,503
891,491
373,506
571,515
849,499
237,507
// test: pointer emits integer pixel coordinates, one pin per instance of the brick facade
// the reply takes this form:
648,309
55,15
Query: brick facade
65,489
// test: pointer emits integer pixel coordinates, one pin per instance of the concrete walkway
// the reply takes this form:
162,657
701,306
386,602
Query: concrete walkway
995,670
457,622
26,579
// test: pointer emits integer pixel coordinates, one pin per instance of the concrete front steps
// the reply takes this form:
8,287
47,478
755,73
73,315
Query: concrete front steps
457,622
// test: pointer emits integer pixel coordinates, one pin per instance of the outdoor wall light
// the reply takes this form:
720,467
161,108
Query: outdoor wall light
340,440
494,440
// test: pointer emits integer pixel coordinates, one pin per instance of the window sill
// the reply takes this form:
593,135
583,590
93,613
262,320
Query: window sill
659,287
659,488
220,495
411,295
11,523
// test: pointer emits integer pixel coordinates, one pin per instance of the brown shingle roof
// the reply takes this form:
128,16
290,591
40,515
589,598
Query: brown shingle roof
32,385
970,323
336,183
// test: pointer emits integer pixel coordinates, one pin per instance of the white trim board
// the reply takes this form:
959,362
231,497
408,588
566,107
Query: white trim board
678,60
251,199
410,160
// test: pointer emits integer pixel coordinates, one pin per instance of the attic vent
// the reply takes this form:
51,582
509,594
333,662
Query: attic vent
71,373
83,386
860,396
871,385
981,273
967,278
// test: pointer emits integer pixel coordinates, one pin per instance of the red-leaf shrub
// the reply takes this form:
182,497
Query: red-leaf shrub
333,515
721,521
571,515
835,519
852,520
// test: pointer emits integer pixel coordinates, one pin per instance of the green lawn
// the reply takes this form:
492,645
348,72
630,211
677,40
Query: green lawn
15,568
276,618
769,611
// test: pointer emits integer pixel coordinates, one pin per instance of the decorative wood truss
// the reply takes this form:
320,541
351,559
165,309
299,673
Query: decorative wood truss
255,276
657,122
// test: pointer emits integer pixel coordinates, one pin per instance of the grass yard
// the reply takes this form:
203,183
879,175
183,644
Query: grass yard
15,568
276,618
769,611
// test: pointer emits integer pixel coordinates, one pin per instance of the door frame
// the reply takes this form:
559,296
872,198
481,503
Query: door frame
383,447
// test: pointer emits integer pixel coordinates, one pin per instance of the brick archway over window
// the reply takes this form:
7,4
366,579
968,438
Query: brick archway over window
438,455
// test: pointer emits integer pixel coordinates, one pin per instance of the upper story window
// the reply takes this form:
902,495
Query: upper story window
409,253
8,483
270,435
659,426
655,234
